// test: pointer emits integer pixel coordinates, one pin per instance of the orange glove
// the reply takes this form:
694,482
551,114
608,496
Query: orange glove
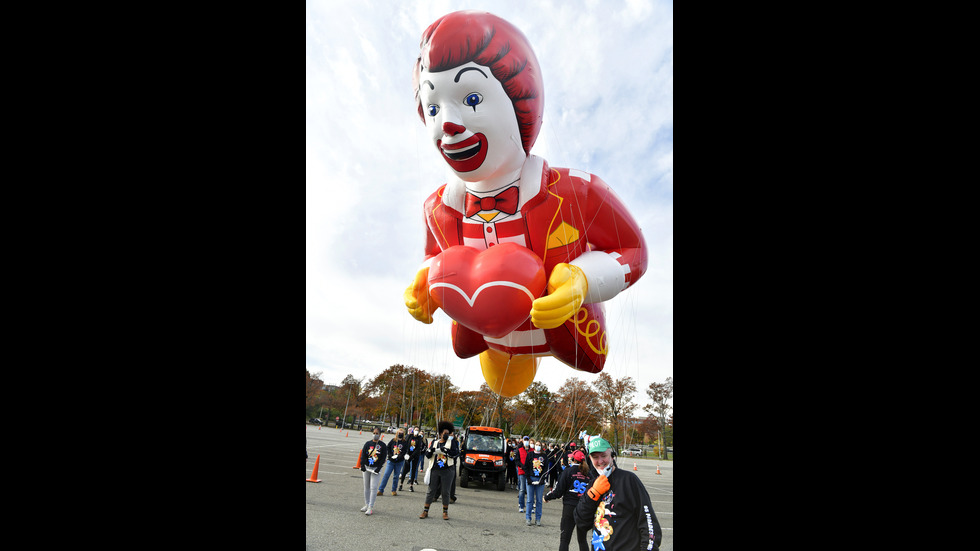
599,487
417,299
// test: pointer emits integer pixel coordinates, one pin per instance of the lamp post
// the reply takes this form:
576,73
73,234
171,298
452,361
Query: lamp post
343,421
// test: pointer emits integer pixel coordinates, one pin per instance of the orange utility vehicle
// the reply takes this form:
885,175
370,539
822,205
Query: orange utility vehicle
484,454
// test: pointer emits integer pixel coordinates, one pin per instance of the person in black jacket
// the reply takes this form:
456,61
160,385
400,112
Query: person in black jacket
570,448
554,466
416,443
571,487
535,465
616,506
442,453
511,468
397,455
374,453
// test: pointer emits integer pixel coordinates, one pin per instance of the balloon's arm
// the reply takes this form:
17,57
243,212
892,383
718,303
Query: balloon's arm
606,276
617,259
617,255
592,277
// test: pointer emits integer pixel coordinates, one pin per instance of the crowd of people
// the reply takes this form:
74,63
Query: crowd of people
595,494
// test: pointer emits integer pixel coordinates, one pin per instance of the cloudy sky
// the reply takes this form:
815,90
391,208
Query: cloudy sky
608,77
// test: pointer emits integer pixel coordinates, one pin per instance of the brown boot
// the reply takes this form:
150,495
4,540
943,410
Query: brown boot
424,514
445,514
394,493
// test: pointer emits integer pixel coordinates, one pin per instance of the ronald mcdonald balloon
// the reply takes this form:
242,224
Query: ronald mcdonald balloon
521,255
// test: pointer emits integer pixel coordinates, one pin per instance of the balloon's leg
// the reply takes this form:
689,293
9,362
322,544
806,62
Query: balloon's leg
508,375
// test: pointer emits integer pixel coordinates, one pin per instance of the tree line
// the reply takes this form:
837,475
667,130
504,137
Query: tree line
402,394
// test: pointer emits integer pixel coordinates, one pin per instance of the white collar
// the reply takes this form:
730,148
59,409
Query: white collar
530,184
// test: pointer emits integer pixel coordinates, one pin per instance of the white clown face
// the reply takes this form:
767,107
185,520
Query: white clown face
471,121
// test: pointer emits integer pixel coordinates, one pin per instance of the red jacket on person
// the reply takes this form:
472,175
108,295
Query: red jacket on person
521,457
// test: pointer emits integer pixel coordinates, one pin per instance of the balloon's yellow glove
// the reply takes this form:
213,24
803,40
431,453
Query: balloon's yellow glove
417,299
567,288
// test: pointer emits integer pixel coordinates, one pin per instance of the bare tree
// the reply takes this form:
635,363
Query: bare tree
578,407
536,400
659,393
617,396
314,386
497,409
352,387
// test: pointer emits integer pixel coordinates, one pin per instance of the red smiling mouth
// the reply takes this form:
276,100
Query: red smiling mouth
467,155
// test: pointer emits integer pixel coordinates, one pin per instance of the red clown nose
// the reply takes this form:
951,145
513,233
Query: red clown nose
452,128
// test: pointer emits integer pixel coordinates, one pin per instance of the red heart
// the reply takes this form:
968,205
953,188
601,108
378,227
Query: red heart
488,291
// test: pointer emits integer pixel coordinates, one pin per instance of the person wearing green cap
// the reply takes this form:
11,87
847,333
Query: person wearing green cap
616,506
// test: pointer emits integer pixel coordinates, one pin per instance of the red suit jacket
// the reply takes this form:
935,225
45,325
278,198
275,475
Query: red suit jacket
570,213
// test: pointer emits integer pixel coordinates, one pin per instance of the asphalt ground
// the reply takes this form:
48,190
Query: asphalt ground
481,519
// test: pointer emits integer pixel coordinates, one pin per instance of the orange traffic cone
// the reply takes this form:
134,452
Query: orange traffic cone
316,468
358,466
346,435
658,469
634,465
318,428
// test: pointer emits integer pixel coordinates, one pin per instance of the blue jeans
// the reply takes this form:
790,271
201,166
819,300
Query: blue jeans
411,468
521,489
534,495
392,466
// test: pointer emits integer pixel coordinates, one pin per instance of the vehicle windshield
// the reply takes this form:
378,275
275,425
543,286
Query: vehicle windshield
485,442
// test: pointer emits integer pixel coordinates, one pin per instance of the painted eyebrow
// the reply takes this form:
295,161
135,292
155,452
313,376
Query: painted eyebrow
461,71
431,87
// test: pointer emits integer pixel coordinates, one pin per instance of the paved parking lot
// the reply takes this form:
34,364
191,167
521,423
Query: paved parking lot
481,519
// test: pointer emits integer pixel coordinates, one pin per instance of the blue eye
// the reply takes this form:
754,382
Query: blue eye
473,100
433,109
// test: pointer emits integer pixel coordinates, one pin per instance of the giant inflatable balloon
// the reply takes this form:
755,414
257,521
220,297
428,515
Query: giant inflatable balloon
521,255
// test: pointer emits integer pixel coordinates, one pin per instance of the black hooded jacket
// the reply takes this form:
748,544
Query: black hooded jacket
626,509
571,484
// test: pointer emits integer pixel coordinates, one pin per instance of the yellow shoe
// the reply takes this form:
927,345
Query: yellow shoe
505,374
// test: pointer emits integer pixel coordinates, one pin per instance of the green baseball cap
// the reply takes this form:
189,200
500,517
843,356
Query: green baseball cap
598,445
